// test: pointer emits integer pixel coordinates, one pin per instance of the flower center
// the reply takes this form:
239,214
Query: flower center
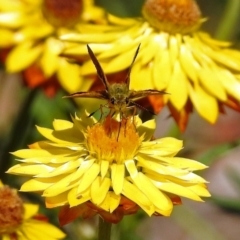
11,210
62,13
173,16
113,141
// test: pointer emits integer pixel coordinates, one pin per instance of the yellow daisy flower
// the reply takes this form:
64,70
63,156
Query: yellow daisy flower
198,71
104,164
19,221
30,29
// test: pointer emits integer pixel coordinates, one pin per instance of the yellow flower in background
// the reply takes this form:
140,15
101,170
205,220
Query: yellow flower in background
198,71
102,163
19,221
30,29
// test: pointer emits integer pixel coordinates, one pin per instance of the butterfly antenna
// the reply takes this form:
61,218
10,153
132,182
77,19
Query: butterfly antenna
142,108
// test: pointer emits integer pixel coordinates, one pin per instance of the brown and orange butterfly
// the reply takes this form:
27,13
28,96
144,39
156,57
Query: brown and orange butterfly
118,95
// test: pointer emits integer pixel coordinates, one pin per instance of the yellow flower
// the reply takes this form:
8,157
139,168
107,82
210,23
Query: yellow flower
102,162
198,71
19,221
30,29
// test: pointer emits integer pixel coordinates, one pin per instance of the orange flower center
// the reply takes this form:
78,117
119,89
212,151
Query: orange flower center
11,210
62,13
113,141
173,16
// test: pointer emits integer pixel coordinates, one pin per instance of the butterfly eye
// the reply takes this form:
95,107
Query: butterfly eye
112,100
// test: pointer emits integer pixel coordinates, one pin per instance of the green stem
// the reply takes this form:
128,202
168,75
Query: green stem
17,135
228,23
104,230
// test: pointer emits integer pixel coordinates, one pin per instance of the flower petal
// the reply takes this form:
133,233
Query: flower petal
89,177
69,75
99,189
133,193
30,210
22,56
117,176
205,104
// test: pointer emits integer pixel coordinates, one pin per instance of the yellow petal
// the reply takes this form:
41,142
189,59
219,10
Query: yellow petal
182,163
104,168
117,176
163,147
30,210
64,183
230,83
31,153
69,75
118,48
147,128
149,163
12,19
99,189
200,190
81,49
210,81
140,77
37,185
56,201
190,66
89,177
60,124
86,38
211,41
6,39
28,32
223,59
177,189
133,193
114,201
205,104
159,199
149,51
22,56
32,170
111,202
66,136
42,230
74,199
162,69
175,42
50,59
65,168
178,87
120,62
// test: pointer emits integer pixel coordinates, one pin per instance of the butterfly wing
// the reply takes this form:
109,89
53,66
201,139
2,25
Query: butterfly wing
98,67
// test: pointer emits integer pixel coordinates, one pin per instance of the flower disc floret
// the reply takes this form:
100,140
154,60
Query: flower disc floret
21,221
113,141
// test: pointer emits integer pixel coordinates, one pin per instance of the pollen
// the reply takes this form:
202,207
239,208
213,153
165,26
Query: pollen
113,141
173,16
11,210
